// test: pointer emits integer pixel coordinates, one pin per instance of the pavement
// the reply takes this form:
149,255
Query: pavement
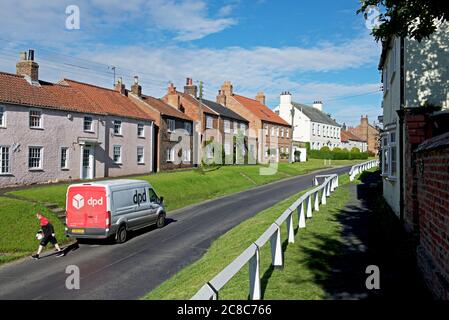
151,256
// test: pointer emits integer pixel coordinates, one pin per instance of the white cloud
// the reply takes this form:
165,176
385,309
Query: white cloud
188,19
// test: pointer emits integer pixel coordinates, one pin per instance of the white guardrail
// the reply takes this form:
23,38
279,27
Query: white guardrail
304,206
358,168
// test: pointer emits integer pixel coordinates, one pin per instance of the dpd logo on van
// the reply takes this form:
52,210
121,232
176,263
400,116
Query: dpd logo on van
140,197
78,201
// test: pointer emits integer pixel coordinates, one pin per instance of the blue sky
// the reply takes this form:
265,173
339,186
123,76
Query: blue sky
315,49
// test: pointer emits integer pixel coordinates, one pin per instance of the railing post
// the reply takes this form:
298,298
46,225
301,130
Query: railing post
290,229
276,249
328,189
317,202
323,196
254,276
315,181
309,207
301,216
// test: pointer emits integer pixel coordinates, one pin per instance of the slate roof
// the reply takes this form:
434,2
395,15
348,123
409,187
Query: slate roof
315,115
164,108
223,111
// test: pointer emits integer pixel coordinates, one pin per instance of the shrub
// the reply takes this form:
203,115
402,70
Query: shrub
355,150
325,149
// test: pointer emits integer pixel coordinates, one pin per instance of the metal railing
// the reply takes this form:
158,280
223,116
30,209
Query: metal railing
304,207
358,168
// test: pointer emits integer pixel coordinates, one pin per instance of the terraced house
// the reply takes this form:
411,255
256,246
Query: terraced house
68,130
218,124
270,136
171,125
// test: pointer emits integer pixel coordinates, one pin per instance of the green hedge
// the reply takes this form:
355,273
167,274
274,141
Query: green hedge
337,155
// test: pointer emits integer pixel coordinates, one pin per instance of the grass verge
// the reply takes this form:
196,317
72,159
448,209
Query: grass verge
18,226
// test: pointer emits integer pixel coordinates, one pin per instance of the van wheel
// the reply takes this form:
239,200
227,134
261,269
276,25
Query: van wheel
160,220
121,235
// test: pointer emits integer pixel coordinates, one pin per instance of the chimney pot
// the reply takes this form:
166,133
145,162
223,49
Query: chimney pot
190,89
136,88
260,97
120,87
27,66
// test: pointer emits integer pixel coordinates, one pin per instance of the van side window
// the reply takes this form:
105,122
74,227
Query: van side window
152,196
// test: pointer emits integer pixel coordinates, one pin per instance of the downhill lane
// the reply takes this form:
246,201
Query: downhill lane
132,269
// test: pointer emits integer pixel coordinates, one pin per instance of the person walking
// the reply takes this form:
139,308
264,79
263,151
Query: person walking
48,236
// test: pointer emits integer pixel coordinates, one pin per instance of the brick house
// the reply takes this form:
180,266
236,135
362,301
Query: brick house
215,120
170,125
68,130
368,133
265,126
414,146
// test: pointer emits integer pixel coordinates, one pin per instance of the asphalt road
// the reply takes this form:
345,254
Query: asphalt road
132,269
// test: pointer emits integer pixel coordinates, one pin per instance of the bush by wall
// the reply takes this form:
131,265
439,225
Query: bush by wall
337,155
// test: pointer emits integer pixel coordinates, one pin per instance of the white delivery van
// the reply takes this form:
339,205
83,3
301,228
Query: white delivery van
112,208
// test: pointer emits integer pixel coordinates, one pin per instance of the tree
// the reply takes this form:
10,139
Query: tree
416,19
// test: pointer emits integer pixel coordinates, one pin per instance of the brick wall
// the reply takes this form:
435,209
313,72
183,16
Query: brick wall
432,205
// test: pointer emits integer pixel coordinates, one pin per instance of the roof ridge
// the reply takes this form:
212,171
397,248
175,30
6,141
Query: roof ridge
90,85
11,74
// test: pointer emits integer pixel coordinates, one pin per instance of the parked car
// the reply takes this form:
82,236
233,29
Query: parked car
104,209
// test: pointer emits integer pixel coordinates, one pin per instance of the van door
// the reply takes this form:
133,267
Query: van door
86,207
154,205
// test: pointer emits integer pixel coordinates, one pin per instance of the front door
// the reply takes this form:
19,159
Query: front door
87,158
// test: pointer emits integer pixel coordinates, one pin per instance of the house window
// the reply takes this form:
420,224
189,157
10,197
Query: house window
209,122
140,130
266,130
2,117
313,128
277,132
227,148
117,154
287,133
88,124
171,125
186,155
4,160
35,158
64,158
272,131
318,130
393,156
170,154
235,127
117,127
227,126
243,127
282,132
209,151
35,119
188,127
140,155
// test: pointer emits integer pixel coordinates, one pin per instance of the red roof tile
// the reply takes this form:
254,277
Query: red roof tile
347,135
164,108
260,110
67,95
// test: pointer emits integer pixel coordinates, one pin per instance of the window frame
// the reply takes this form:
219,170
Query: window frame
41,158
8,172
119,161
66,167
143,155
139,126
41,119
171,123
2,117
170,154
211,119
188,127
120,133
91,130
389,151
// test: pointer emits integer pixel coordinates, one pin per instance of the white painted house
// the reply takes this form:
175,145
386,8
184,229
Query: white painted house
310,123
414,75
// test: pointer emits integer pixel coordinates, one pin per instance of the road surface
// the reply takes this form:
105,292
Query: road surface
132,269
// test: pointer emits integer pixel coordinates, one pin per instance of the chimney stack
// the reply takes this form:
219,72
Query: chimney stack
120,87
227,88
172,96
27,66
221,98
261,97
136,88
189,88
286,99
318,105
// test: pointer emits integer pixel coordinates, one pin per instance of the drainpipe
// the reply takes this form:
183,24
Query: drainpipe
401,115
